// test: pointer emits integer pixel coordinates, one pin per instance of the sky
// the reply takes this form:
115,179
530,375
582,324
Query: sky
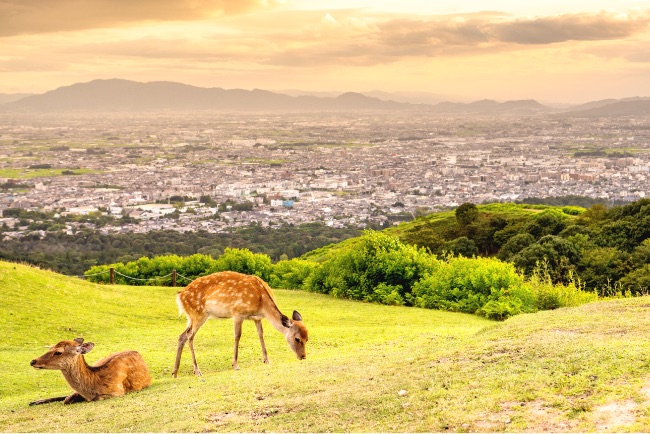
569,51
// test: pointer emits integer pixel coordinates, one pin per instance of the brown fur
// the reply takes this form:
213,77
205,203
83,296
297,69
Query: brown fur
229,294
111,376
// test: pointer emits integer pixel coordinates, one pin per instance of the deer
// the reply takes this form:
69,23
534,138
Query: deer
229,294
111,376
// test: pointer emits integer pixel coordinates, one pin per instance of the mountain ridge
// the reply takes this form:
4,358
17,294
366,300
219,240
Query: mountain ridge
11,97
126,95
625,107
104,95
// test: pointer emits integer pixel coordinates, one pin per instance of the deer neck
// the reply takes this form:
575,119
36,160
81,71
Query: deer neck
80,377
274,316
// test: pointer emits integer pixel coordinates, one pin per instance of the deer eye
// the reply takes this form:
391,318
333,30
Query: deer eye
298,340
58,353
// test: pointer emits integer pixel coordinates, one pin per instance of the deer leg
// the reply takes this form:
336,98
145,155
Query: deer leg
48,400
260,333
192,333
237,323
181,343
75,397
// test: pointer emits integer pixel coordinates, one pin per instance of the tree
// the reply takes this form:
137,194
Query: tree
207,199
515,245
466,214
560,254
548,222
602,267
461,246
638,281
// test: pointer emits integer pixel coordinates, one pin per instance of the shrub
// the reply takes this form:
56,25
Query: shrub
291,274
461,246
638,281
243,261
153,271
552,296
484,286
387,294
379,263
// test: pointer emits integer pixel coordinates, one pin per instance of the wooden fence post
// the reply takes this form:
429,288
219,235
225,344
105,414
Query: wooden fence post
173,277
112,276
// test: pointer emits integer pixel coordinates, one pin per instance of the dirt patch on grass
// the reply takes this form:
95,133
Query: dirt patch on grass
532,416
614,415
216,420
543,418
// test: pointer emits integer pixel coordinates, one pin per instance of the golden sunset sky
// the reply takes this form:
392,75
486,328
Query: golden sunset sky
549,50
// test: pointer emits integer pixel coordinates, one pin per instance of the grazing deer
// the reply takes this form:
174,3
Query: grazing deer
229,294
111,376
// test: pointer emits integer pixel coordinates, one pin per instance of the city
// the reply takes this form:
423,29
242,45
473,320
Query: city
344,169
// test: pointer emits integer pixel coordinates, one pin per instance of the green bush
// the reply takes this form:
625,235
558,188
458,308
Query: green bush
483,286
638,281
387,294
291,274
243,261
158,270
378,262
153,271
552,296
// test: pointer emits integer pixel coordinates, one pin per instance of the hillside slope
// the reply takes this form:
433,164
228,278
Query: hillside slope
369,367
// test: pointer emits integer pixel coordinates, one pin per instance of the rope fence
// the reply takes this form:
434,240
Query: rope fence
113,272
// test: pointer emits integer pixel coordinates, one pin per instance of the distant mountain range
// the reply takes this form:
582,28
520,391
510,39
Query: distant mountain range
636,106
10,97
130,96
402,96
491,106
125,95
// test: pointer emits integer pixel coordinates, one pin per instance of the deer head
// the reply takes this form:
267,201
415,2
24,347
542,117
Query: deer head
62,354
296,334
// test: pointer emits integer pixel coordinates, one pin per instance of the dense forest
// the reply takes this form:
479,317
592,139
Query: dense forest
74,254
607,249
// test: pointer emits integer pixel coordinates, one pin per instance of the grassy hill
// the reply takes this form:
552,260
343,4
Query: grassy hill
444,224
368,367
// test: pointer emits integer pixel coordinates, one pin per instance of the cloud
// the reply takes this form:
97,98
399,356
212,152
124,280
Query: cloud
394,39
45,16
280,38
574,27
635,52
197,49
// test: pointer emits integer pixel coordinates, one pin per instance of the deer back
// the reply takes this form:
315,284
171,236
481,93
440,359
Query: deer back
227,294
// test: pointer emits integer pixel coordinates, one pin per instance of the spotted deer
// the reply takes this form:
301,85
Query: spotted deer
111,376
229,294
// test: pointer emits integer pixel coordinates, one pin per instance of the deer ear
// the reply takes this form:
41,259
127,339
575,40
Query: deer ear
79,340
85,348
285,321
296,316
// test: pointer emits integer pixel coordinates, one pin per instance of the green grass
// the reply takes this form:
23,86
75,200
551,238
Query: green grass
40,173
575,369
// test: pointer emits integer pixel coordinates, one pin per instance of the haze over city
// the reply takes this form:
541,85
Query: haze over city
551,51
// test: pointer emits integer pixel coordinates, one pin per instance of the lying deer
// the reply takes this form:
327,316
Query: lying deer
111,376
238,296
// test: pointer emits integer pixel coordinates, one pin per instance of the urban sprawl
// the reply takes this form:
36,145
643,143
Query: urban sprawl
343,169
